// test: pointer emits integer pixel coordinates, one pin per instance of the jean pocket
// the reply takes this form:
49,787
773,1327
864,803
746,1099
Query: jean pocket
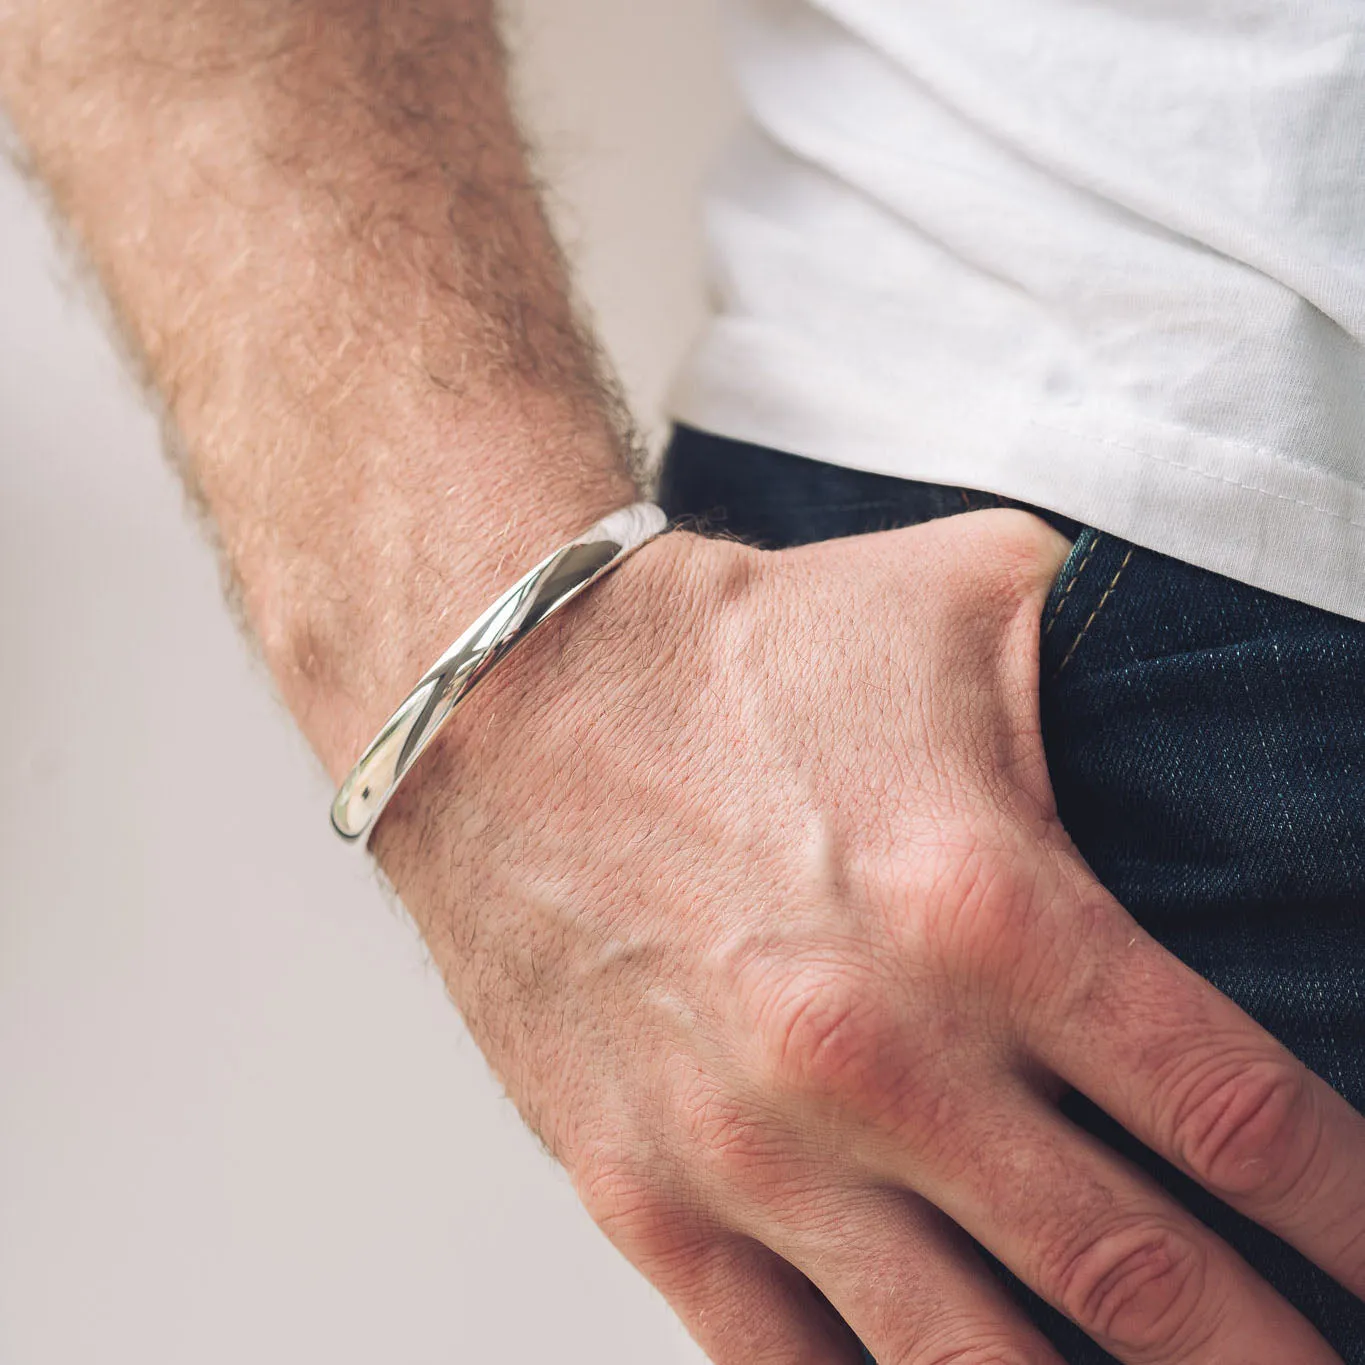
1086,586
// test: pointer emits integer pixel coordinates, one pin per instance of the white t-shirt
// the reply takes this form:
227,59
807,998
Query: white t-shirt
1105,256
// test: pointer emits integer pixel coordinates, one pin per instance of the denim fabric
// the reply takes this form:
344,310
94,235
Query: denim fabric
1206,742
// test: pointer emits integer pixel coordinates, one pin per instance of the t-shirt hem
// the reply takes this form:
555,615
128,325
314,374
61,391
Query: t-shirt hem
1264,517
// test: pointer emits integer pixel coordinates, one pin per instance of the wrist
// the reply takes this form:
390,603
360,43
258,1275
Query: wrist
347,636
590,678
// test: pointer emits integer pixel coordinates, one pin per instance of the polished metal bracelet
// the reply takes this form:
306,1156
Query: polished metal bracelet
551,585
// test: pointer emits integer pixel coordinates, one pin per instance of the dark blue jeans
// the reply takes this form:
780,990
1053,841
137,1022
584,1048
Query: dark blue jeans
1207,746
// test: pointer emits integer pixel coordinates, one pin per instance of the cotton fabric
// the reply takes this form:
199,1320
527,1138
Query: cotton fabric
1102,256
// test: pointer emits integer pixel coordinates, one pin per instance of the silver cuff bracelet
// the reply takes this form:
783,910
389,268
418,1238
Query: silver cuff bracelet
552,584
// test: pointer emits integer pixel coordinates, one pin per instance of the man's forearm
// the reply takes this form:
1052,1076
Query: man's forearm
764,917
318,229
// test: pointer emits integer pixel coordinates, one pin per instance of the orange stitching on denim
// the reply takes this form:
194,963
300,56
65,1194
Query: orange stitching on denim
1061,601
1099,607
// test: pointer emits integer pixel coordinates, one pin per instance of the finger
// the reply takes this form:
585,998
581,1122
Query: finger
744,1306
1184,1070
1108,1248
903,1277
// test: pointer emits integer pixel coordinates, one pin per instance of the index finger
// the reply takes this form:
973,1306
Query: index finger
1183,1069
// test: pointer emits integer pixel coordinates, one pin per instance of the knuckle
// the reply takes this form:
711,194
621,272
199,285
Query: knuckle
1247,1128
1138,1287
626,1204
977,911
823,1032
724,1135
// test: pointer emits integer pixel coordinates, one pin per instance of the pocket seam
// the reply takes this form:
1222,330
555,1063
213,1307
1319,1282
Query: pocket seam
1075,578
1099,607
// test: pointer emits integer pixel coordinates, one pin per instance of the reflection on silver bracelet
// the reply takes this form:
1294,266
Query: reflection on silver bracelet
552,584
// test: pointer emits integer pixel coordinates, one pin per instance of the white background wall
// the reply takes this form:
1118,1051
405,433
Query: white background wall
238,1119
